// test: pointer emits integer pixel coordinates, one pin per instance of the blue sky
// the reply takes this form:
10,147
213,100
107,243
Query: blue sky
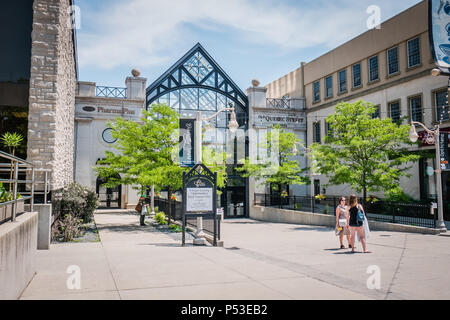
262,39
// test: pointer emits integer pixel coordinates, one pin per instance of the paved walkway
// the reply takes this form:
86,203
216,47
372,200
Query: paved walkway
259,261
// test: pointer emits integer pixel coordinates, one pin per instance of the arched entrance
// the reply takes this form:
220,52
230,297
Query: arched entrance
110,198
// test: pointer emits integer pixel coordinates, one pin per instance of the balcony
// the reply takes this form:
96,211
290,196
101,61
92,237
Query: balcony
286,104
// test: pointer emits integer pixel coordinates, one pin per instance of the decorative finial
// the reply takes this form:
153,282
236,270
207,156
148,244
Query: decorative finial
255,83
135,73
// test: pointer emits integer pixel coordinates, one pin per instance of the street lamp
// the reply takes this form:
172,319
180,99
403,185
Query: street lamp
432,137
233,125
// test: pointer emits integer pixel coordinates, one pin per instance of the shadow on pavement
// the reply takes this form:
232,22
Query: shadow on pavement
320,229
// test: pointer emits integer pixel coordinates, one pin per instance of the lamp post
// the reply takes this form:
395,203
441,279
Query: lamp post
233,126
433,137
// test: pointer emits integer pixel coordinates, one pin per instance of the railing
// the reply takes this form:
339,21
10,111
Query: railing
111,92
10,210
298,104
415,214
177,214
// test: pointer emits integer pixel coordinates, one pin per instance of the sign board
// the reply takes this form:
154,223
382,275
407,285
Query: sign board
439,32
200,196
199,199
292,120
443,151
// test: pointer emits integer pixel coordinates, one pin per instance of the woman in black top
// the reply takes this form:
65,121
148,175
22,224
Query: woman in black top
354,224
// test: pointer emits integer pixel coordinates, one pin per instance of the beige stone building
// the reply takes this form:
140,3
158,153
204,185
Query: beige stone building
390,67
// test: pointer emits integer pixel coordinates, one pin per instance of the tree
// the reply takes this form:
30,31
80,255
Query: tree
11,141
367,153
144,152
283,171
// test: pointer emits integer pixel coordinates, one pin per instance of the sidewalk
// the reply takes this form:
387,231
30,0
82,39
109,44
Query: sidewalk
259,261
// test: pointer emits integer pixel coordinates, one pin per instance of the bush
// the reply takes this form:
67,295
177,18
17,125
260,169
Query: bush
175,228
67,228
160,218
80,202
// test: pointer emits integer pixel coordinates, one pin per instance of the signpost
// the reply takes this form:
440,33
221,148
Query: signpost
200,197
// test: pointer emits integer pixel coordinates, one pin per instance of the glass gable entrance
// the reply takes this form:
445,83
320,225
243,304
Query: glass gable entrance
197,83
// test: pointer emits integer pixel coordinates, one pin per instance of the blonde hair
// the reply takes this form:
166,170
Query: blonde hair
353,201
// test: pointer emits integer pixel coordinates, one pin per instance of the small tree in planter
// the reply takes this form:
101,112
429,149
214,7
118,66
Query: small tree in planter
11,141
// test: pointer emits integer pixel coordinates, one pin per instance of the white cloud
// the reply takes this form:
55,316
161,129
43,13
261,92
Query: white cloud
142,32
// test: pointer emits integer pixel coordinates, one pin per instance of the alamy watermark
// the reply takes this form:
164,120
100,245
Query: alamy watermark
74,19
74,280
374,20
374,280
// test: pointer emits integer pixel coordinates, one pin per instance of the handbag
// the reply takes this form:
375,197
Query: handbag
138,208
360,217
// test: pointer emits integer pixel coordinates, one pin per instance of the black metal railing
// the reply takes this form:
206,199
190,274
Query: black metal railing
415,214
298,104
111,92
176,213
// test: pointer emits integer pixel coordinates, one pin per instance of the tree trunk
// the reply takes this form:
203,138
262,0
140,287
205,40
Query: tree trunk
169,210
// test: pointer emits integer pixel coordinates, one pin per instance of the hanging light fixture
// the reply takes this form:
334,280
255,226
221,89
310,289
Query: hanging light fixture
413,136
233,125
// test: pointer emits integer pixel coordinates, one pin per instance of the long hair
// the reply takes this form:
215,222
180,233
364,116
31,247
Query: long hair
353,201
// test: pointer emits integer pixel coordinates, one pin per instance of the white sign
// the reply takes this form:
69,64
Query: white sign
199,199
294,120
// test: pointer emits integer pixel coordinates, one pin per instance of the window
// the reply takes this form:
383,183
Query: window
317,137
376,114
316,91
329,130
441,103
373,69
356,75
392,61
415,105
394,111
329,86
413,52
342,81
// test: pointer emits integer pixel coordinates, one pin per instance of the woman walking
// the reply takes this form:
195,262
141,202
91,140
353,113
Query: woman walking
356,222
342,223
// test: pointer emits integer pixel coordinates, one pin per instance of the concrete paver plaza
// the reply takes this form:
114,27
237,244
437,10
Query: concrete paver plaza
259,261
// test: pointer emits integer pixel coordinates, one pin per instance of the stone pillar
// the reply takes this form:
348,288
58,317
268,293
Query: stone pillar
52,92
86,89
136,88
256,98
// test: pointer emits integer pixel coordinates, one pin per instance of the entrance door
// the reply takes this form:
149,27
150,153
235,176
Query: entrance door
233,202
109,197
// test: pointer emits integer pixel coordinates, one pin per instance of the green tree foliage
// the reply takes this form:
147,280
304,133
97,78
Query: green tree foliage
368,154
286,171
11,141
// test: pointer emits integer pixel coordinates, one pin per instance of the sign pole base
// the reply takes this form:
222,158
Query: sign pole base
200,235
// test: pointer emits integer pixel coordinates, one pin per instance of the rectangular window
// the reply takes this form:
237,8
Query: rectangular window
342,81
317,137
329,130
329,86
376,114
413,52
415,105
394,111
356,75
373,69
316,91
441,102
392,60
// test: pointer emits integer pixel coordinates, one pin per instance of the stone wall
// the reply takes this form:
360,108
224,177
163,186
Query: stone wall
52,92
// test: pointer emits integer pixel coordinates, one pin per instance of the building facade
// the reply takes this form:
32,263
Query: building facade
389,67
38,78
96,106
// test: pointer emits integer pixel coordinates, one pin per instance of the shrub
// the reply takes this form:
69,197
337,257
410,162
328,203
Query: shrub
160,218
79,201
67,228
175,228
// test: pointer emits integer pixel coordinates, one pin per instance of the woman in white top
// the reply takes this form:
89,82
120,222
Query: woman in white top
341,223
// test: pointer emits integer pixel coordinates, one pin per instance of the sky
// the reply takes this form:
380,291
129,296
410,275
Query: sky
250,39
